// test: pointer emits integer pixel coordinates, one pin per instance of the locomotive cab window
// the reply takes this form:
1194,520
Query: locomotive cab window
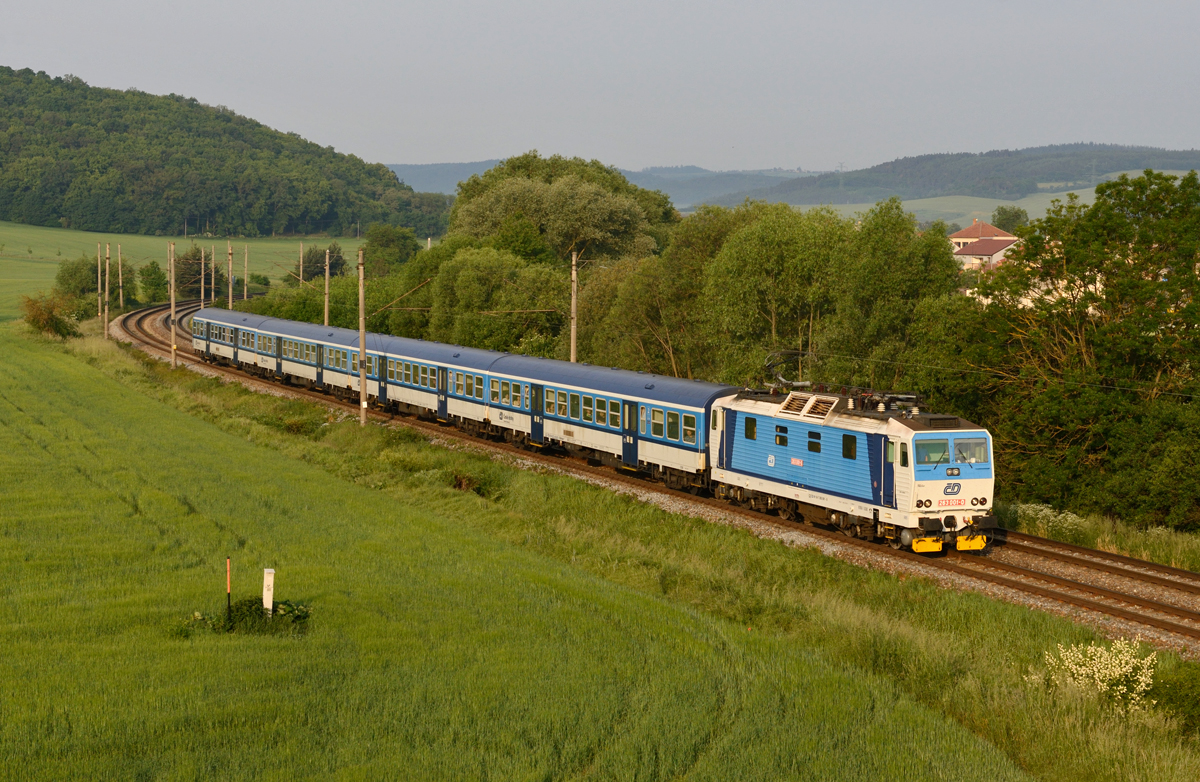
889,452
903,454
932,452
972,450
781,439
850,446
751,429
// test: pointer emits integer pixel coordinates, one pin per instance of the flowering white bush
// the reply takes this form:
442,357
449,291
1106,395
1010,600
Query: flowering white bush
1116,673
1047,522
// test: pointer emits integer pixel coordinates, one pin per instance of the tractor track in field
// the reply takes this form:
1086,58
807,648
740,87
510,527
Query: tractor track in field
1117,595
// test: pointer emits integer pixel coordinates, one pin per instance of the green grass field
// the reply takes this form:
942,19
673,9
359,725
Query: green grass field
436,650
29,255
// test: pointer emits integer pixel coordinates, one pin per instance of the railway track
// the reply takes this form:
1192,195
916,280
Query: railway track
1172,608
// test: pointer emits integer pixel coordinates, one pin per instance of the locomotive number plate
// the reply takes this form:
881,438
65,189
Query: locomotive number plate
952,503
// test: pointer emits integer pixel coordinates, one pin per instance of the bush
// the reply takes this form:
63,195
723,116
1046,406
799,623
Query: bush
1117,674
50,315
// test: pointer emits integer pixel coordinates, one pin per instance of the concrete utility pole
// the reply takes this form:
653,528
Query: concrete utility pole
120,277
362,342
201,276
107,274
230,248
574,300
429,243
246,275
212,261
171,274
326,286
301,264
99,306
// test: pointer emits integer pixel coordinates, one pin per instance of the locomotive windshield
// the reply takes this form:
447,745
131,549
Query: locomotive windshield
932,451
971,451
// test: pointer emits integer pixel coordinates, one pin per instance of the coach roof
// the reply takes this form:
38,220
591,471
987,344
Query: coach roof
614,382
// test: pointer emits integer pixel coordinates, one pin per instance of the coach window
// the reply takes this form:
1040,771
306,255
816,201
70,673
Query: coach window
751,429
470,386
479,386
672,426
689,429
562,404
425,376
642,419
814,442
495,395
575,406
504,397
458,383
406,375
850,447
614,414
549,402
656,422
601,412
587,409
903,454
526,396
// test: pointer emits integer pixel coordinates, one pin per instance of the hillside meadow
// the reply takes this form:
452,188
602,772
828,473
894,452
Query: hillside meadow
436,646
528,626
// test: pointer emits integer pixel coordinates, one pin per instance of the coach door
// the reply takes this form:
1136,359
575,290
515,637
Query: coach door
537,424
441,395
629,436
320,365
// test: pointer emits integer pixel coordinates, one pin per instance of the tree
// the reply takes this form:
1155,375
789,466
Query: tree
770,284
76,278
1009,218
571,215
155,286
1084,342
387,247
314,264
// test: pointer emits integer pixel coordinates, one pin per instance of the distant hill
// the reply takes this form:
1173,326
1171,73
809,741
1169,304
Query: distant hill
1006,174
124,161
686,185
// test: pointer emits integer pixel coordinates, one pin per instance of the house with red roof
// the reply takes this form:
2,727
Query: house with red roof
975,232
983,253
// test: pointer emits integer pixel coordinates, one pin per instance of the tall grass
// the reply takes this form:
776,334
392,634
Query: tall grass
436,648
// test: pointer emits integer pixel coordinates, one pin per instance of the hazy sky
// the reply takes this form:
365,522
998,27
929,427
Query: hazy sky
719,85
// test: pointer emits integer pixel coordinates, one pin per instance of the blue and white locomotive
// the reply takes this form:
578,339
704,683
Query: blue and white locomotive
863,463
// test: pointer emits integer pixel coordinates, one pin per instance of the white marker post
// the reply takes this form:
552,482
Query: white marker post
269,590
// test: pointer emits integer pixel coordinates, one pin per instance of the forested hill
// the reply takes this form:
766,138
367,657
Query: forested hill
1007,174
125,161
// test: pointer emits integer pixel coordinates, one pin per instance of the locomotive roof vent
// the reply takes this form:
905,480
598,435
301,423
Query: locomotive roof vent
943,422
810,406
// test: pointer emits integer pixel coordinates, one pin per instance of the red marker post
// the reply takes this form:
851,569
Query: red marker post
228,587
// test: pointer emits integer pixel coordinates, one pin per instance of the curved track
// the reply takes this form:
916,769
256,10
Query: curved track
1174,609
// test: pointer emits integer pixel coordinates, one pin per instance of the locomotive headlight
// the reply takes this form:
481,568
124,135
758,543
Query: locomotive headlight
983,500
974,500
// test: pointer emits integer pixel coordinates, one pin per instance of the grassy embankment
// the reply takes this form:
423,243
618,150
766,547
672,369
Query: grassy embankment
437,647
30,254
532,624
